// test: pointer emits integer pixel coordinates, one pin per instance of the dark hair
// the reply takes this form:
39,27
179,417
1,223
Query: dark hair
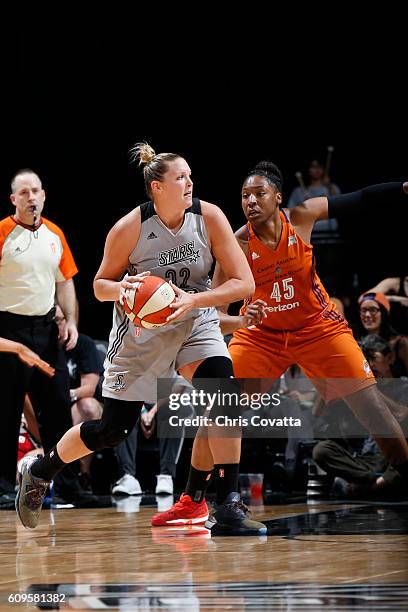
373,343
386,330
270,171
156,165
19,173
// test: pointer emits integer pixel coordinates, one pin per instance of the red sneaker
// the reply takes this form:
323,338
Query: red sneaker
183,512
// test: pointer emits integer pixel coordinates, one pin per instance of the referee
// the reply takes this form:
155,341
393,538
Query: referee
36,269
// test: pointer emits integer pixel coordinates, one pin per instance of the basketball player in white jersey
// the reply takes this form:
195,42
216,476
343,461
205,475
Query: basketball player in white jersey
173,236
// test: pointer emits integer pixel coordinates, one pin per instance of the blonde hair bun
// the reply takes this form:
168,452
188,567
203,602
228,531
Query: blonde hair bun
143,152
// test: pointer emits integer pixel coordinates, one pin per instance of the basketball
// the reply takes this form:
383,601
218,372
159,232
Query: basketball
148,305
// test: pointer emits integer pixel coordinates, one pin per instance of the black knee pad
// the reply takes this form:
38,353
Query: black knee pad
215,375
118,419
96,436
214,367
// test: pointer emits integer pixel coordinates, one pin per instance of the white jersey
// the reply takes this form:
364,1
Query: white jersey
31,262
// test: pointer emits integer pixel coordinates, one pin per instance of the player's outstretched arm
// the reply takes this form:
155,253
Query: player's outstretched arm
26,355
343,205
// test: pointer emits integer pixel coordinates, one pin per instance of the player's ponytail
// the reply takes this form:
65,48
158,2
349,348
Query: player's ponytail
143,152
155,164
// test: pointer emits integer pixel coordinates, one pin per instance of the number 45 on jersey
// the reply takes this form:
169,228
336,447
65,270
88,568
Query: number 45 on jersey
283,288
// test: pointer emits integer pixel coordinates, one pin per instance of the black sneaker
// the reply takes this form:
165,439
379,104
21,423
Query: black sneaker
30,495
84,499
71,492
230,519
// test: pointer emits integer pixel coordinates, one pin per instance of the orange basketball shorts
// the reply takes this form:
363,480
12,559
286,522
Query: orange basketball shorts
326,351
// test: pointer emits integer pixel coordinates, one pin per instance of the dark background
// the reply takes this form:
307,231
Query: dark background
80,94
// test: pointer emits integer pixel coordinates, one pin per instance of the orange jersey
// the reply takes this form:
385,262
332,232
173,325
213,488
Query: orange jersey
302,326
286,280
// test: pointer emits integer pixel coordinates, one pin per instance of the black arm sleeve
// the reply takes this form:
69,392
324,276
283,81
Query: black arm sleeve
359,202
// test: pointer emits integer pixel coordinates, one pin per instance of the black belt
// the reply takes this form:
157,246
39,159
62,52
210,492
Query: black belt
32,319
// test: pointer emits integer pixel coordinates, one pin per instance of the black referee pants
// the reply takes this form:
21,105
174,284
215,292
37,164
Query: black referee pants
49,396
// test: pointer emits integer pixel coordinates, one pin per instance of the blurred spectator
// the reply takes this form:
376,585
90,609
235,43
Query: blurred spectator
169,448
326,239
362,469
374,317
396,290
296,385
295,397
381,358
85,369
28,444
379,355
31,420
356,473
318,185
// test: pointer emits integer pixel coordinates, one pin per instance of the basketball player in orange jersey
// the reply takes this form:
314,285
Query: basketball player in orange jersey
297,322
301,325
173,236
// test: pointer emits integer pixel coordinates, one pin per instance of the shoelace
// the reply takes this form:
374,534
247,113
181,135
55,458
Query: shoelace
37,494
241,506
179,505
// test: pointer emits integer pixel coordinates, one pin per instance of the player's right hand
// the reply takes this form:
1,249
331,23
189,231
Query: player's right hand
183,303
128,282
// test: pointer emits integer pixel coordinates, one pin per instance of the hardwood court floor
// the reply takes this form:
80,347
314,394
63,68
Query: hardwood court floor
318,547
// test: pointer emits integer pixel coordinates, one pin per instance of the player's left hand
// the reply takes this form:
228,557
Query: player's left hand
183,303
255,313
